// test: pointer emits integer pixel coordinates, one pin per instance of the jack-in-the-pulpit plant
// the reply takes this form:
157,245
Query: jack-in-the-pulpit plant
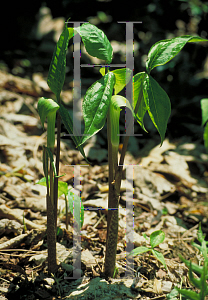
102,102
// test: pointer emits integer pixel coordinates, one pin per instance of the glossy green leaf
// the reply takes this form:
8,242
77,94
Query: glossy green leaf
95,105
102,71
96,42
139,250
72,32
158,105
68,123
163,51
156,238
137,87
204,107
76,207
188,294
56,75
47,108
159,257
123,77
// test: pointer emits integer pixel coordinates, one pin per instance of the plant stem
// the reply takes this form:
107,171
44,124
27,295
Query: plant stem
126,139
67,221
114,182
113,200
51,229
57,167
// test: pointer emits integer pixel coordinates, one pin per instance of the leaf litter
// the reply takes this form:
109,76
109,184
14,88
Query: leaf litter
170,194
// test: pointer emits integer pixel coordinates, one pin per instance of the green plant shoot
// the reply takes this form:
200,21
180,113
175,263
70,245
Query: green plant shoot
156,238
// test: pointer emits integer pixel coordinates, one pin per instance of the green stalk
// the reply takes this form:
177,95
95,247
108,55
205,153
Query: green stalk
57,167
126,139
51,229
114,181
50,199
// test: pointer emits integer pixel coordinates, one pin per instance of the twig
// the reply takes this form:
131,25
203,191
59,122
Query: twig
11,243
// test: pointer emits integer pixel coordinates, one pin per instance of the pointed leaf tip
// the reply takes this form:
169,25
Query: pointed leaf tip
163,51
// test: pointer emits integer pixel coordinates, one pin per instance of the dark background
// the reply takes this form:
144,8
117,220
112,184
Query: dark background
184,78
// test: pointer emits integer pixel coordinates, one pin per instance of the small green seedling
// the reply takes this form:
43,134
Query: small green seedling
156,238
202,271
204,107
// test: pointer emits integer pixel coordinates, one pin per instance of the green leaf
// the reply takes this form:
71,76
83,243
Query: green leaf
138,80
123,77
172,295
72,32
68,123
62,186
96,42
139,250
95,105
145,236
158,105
156,238
102,71
159,257
42,181
206,137
188,294
204,107
163,51
196,268
56,75
200,234
76,207
195,281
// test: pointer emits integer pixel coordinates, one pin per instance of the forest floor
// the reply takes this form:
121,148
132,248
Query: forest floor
170,185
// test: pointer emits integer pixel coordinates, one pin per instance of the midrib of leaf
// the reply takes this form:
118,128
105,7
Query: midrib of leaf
155,57
94,118
154,103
